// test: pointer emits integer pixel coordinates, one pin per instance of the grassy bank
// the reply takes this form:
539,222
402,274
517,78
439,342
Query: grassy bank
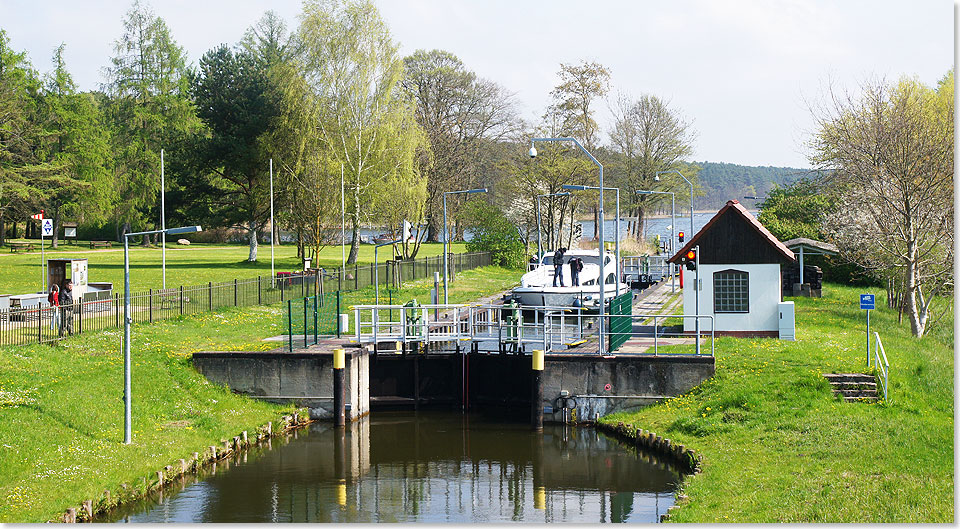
779,447
61,409
186,265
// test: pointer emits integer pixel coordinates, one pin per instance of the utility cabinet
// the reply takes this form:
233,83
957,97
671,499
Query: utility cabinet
787,317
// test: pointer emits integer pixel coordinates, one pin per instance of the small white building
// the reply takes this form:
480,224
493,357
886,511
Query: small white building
739,276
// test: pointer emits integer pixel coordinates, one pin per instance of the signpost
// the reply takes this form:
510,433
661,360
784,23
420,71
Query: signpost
867,303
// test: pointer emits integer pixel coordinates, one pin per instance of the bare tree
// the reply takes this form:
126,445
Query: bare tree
648,137
890,151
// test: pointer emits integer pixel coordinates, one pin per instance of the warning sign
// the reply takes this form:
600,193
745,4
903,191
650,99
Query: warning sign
48,227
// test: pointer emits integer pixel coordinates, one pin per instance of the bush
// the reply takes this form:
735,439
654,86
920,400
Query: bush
494,233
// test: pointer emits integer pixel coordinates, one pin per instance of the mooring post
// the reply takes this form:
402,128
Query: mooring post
536,401
339,360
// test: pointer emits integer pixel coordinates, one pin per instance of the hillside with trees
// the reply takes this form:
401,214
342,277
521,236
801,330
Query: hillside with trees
726,181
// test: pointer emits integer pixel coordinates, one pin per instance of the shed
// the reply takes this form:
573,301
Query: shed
802,246
739,274
59,270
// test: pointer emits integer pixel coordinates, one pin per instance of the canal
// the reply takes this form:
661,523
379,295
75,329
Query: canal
433,467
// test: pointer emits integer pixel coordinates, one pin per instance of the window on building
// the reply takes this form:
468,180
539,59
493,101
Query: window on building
731,291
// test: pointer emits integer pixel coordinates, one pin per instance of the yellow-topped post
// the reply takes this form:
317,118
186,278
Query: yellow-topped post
536,400
339,363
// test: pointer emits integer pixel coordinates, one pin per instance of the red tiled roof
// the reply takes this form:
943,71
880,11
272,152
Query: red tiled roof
751,221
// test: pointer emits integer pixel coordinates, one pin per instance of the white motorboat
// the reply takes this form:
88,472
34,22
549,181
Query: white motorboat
536,286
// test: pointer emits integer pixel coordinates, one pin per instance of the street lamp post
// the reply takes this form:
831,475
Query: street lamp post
163,222
533,154
539,246
656,178
446,235
673,228
616,227
127,423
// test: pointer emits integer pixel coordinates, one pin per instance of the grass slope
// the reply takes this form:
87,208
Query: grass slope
779,447
193,265
61,409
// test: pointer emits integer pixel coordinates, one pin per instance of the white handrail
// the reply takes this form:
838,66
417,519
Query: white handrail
884,368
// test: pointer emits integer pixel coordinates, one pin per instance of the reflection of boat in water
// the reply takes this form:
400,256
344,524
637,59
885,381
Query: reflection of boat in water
536,286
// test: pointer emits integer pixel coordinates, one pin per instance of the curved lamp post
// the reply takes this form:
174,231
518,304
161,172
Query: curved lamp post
656,178
127,320
603,308
446,236
673,229
616,224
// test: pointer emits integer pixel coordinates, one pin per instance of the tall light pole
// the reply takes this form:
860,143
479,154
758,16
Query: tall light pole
673,228
533,154
446,236
273,227
616,224
656,178
163,223
539,247
127,422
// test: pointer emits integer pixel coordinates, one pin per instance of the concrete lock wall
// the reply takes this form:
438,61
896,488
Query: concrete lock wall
304,378
600,386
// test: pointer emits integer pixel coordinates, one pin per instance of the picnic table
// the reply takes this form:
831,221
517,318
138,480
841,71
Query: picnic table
101,244
17,246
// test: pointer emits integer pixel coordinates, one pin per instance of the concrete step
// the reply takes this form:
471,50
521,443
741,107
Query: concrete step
849,377
857,392
860,399
853,385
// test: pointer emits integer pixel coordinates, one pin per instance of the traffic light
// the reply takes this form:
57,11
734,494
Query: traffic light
681,236
690,259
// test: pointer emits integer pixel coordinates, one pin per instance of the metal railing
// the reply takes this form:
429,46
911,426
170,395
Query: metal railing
655,266
880,361
555,330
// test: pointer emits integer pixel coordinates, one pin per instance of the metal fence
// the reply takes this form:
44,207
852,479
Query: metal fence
46,324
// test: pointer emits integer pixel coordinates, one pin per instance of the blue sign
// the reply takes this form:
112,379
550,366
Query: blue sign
867,302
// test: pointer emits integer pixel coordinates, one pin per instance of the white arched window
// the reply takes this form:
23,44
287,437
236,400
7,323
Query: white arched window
731,291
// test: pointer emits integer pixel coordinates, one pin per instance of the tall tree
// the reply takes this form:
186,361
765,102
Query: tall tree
76,146
363,118
148,86
457,111
890,150
234,100
647,137
580,84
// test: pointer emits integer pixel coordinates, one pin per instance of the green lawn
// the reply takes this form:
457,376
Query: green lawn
61,409
193,265
779,447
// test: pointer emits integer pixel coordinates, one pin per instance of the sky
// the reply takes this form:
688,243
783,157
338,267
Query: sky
745,73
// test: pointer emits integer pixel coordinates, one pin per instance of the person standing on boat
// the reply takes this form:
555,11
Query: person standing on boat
576,265
558,265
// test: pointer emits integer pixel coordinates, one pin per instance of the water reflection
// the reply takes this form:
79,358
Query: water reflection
427,467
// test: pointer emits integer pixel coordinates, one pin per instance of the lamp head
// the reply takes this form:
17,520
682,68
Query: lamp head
533,151
656,178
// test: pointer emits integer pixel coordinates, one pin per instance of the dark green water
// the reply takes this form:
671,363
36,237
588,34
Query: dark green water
424,467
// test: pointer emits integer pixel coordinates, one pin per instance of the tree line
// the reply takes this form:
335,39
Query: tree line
346,121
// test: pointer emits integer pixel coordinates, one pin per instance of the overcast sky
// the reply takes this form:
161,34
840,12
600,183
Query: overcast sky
743,72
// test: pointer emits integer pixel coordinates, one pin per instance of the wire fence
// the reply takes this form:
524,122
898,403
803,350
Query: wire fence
100,310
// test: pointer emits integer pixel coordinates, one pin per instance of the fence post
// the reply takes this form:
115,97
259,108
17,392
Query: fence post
181,300
40,324
209,295
259,290
281,291
116,308
315,331
151,305
356,277
290,323
304,321
234,292
338,314
80,317
340,279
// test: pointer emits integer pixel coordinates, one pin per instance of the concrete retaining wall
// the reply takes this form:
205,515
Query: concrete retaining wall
304,378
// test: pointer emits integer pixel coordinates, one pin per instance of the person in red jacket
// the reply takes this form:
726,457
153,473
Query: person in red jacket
53,298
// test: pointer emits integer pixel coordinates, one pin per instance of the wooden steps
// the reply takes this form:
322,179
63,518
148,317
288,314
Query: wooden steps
853,387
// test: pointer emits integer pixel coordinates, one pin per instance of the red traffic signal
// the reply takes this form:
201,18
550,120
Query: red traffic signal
681,236
690,259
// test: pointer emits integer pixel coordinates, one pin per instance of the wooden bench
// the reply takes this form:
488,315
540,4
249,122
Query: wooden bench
17,246
101,244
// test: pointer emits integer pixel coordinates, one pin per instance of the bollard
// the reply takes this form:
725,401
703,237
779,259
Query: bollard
70,516
339,361
213,453
244,435
183,466
536,401
88,510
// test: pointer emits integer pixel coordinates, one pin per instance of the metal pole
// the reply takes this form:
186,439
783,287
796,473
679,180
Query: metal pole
617,224
376,274
692,232
445,237
343,225
43,274
273,227
868,338
696,291
673,236
127,427
539,242
163,222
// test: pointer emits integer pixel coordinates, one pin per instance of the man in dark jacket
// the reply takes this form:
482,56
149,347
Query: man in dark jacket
66,308
576,265
558,266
